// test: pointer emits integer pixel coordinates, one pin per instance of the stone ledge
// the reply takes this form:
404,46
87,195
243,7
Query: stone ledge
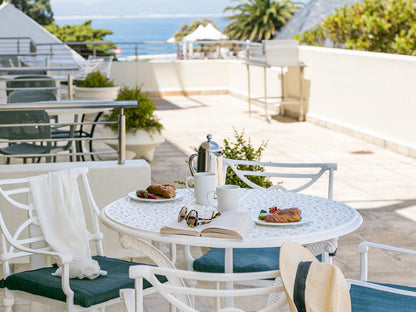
381,142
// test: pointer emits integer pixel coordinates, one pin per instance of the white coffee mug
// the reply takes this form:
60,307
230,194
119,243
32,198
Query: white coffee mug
228,197
204,182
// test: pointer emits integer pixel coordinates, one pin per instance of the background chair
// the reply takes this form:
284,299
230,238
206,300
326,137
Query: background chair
29,133
57,132
105,66
86,67
264,259
18,218
371,296
209,287
33,82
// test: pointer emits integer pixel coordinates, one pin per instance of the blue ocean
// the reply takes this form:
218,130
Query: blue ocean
139,29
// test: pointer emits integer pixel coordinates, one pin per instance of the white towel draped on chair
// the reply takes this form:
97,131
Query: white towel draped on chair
57,202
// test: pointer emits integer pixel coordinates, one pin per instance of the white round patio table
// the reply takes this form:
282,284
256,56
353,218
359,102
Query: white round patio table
324,220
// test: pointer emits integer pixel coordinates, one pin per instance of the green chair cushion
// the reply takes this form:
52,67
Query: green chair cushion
244,260
23,148
365,299
86,292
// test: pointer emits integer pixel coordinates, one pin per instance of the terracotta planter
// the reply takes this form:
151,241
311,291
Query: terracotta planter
142,144
96,94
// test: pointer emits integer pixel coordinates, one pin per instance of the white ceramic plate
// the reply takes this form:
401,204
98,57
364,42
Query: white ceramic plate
132,195
262,222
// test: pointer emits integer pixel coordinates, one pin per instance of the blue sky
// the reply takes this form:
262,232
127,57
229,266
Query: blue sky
62,8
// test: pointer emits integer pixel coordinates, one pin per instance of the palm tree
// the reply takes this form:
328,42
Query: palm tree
258,20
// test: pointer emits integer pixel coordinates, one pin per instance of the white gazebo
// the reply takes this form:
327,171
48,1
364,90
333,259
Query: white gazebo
202,33
208,32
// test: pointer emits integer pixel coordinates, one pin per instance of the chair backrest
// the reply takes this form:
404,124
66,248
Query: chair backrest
297,177
21,131
32,81
29,96
105,66
86,67
18,218
178,295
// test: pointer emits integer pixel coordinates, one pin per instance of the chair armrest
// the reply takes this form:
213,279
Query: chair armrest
363,248
381,287
61,259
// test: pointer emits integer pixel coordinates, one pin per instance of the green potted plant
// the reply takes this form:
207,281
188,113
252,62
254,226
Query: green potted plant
143,128
97,87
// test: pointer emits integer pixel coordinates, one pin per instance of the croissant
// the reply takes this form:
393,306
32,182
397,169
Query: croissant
284,216
164,190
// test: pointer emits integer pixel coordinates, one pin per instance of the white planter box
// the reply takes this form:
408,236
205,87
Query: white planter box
142,144
96,94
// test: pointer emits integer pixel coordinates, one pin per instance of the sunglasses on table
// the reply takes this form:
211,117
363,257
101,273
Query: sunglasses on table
192,218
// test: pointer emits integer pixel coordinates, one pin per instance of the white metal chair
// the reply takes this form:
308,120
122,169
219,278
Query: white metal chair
21,236
264,259
371,296
106,63
86,67
208,287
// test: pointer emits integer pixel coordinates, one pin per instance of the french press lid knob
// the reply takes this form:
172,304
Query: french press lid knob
209,146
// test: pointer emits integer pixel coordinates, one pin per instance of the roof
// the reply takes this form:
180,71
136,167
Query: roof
310,16
14,23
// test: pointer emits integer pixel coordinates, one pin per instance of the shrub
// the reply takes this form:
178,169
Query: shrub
243,149
95,79
140,117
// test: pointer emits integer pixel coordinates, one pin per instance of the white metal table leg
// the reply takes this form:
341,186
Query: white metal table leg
228,268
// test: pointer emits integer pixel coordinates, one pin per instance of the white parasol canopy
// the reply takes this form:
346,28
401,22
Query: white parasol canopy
208,32
171,40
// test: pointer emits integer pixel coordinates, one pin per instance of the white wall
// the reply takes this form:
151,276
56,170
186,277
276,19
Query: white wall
368,95
173,76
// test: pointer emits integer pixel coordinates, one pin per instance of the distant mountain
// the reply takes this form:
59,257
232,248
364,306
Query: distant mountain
310,16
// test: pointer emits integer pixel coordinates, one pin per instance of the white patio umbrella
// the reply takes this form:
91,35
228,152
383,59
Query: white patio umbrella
197,34
214,34
171,40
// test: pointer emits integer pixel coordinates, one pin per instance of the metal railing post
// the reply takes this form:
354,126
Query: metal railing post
121,137
70,87
137,53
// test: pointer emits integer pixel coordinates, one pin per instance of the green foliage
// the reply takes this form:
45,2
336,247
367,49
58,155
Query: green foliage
141,117
258,20
243,149
373,25
95,80
39,10
83,33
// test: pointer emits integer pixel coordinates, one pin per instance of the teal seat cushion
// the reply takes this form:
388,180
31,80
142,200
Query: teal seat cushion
86,292
244,260
365,299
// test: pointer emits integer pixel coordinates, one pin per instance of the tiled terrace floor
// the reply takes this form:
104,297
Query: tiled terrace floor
380,184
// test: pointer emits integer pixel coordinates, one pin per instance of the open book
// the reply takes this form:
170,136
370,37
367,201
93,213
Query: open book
230,224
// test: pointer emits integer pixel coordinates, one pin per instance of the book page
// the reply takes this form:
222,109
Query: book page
231,224
181,228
